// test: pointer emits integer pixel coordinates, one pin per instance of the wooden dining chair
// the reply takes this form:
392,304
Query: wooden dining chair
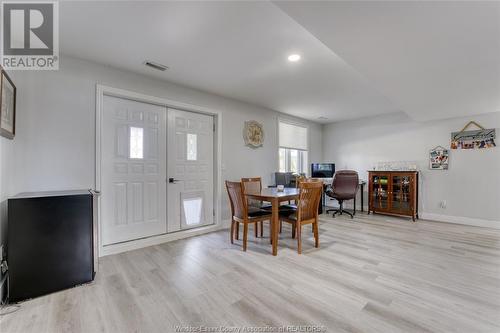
322,189
298,180
307,211
254,185
240,212
290,208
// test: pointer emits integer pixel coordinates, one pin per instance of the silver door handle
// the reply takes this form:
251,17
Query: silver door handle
173,180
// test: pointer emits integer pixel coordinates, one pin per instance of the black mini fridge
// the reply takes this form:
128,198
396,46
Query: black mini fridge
50,242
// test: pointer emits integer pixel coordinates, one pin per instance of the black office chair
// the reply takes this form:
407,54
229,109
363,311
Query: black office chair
344,187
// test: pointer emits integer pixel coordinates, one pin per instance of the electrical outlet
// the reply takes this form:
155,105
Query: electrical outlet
442,204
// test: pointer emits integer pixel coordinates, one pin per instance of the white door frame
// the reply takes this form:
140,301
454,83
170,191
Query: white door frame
101,91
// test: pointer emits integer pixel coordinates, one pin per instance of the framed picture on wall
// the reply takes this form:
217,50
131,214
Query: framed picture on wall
439,158
476,139
7,106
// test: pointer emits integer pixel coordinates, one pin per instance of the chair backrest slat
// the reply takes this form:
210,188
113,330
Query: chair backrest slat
309,199
298,180
312,180
252,185
236,198
307,180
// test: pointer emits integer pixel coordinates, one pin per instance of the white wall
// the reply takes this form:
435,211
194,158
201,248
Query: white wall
471,186
55,140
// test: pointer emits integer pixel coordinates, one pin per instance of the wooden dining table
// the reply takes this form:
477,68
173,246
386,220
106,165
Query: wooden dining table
275,197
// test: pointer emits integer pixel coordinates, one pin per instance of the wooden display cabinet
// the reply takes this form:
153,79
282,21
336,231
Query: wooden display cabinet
393,193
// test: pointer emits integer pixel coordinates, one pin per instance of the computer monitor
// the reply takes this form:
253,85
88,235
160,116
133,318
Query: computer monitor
322,170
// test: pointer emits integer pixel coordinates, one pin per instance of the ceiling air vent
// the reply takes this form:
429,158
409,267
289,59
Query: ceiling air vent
322,118
156,65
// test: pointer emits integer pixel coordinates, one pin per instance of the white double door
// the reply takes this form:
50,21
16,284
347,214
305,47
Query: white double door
156,170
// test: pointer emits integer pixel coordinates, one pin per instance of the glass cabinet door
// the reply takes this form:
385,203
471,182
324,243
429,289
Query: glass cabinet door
401,193
380,192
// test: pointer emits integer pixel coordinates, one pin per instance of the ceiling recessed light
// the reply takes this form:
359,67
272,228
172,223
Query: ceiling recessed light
294,57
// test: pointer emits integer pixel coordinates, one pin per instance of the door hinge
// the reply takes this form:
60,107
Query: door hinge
213,126
213,212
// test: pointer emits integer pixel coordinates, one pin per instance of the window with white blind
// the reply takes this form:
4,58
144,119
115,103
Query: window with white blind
293,147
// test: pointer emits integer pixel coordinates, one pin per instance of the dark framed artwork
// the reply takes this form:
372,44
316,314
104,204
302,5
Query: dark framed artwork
7,106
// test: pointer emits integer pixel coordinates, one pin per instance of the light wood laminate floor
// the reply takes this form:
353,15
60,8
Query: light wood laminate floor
370,274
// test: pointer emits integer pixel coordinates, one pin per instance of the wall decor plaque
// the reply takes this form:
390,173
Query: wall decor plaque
439,158
253,134
481,138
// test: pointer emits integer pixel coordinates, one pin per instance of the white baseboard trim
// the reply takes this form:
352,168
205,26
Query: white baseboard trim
461,220
160,239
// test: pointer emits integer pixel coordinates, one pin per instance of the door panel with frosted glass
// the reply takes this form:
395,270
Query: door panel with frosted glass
190,170
133,170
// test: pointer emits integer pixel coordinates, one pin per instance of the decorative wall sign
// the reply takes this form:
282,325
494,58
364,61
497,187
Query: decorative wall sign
482,138
7,106
253,134
439,158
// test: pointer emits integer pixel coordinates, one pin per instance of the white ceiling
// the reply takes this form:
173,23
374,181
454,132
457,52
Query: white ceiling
431,61
237,50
